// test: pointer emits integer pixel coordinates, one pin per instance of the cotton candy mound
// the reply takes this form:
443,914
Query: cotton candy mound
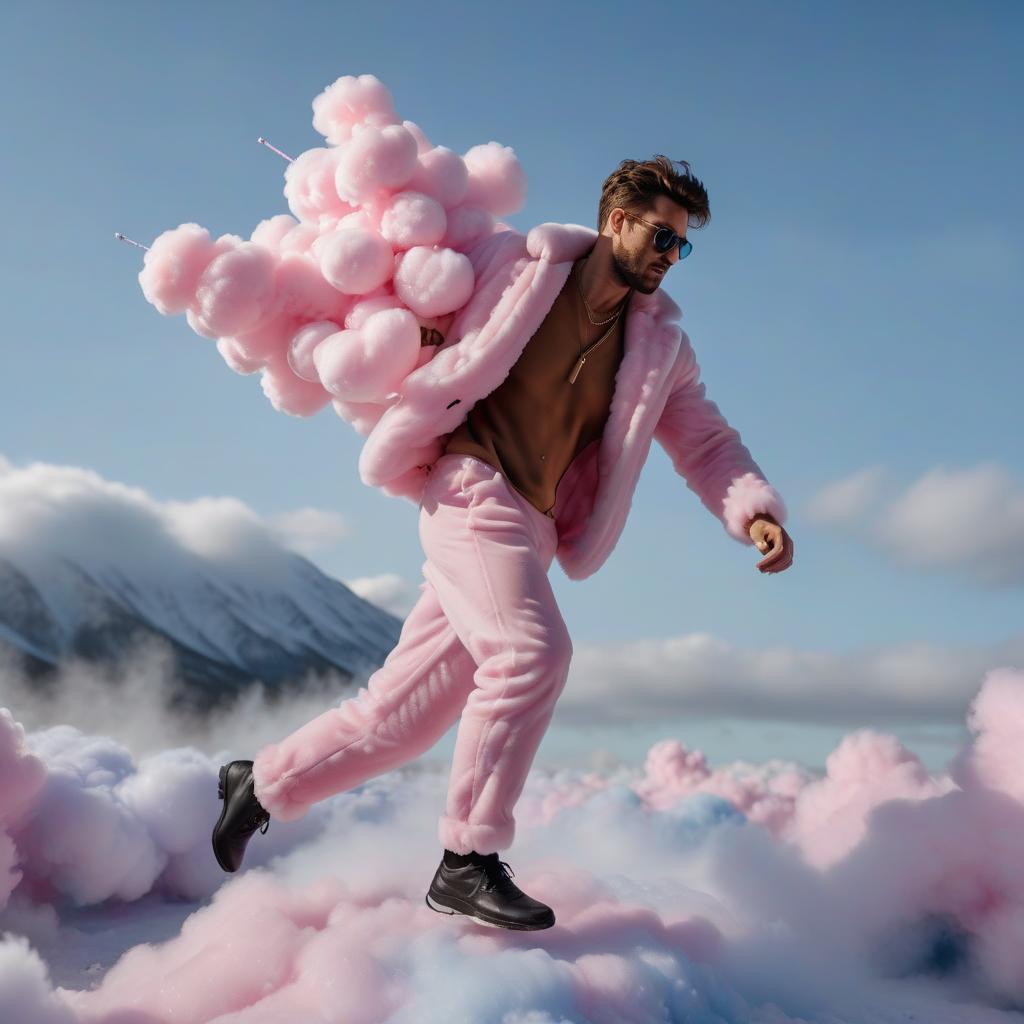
22,775
87,824
379,212
875,893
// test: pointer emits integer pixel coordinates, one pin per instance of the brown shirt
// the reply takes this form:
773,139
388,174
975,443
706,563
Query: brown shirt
535,422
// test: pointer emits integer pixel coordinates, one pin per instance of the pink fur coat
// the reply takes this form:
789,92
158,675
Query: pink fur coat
658,395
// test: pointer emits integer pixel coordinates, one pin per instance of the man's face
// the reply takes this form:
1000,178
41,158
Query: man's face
634,257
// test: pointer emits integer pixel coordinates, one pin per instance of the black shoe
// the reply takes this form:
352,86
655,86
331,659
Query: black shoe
482,889
240,816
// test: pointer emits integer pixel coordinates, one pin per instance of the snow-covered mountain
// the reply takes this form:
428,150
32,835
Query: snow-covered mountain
226,624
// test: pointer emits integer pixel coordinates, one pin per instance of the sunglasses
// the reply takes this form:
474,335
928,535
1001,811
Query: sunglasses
665,238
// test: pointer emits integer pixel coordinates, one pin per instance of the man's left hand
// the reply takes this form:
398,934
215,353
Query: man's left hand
770,536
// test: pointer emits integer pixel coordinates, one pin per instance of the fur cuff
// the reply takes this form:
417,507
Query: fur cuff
747,495
460,837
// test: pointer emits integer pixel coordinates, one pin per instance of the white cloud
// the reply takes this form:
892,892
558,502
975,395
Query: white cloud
393,593
702,675
311,530
48,509
968,522
846,501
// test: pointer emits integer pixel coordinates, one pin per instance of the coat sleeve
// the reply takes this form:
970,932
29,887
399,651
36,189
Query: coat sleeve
709,454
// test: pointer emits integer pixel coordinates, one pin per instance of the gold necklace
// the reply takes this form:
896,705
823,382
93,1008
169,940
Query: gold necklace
590,312
590,348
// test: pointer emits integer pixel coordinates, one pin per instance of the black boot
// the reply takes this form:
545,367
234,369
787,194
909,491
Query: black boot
478,886
240,816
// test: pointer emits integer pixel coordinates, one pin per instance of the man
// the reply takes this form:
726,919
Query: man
566,362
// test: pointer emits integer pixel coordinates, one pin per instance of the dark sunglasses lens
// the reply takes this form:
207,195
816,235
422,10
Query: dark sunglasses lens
664,239
684,250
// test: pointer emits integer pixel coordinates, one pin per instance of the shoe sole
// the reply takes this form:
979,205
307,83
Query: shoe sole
442,908
222,779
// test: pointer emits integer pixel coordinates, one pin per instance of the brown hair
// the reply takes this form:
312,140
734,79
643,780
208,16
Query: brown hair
634,184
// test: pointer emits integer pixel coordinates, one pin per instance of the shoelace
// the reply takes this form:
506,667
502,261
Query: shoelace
259,818
499,879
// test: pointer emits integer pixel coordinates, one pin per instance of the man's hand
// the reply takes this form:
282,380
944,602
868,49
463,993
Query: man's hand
769,535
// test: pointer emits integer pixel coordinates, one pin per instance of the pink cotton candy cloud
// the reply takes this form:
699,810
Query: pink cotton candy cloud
288,392
866,769
767,796
413,218
380,211
309,185
496,179
432,282
234,291
302,346
271,338
22,775
271,231
442,174
996,716
352,100
87,823
423,144
174,263
367,364
374,160
299,289
885,893
356,260
467,225
363,416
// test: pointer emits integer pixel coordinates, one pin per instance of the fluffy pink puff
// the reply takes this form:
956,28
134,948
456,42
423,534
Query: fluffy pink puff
309,185
441,174
174,263
236,290
271,231
302,345
373,304
432,282
355,260
497,181
996,717
22,776
467,225
368,364
366,307
375,159
363,416
236,358
356,219
301,289
423,144
288,392
412,218
352,100
328,225
268,340
299,240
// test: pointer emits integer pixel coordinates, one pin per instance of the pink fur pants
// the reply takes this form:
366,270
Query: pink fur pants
485,645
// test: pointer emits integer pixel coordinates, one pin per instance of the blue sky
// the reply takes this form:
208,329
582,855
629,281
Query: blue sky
853,302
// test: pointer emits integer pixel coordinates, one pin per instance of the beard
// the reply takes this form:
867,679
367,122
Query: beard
635,270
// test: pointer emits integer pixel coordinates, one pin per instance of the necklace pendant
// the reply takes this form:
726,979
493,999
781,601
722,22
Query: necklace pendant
576,369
